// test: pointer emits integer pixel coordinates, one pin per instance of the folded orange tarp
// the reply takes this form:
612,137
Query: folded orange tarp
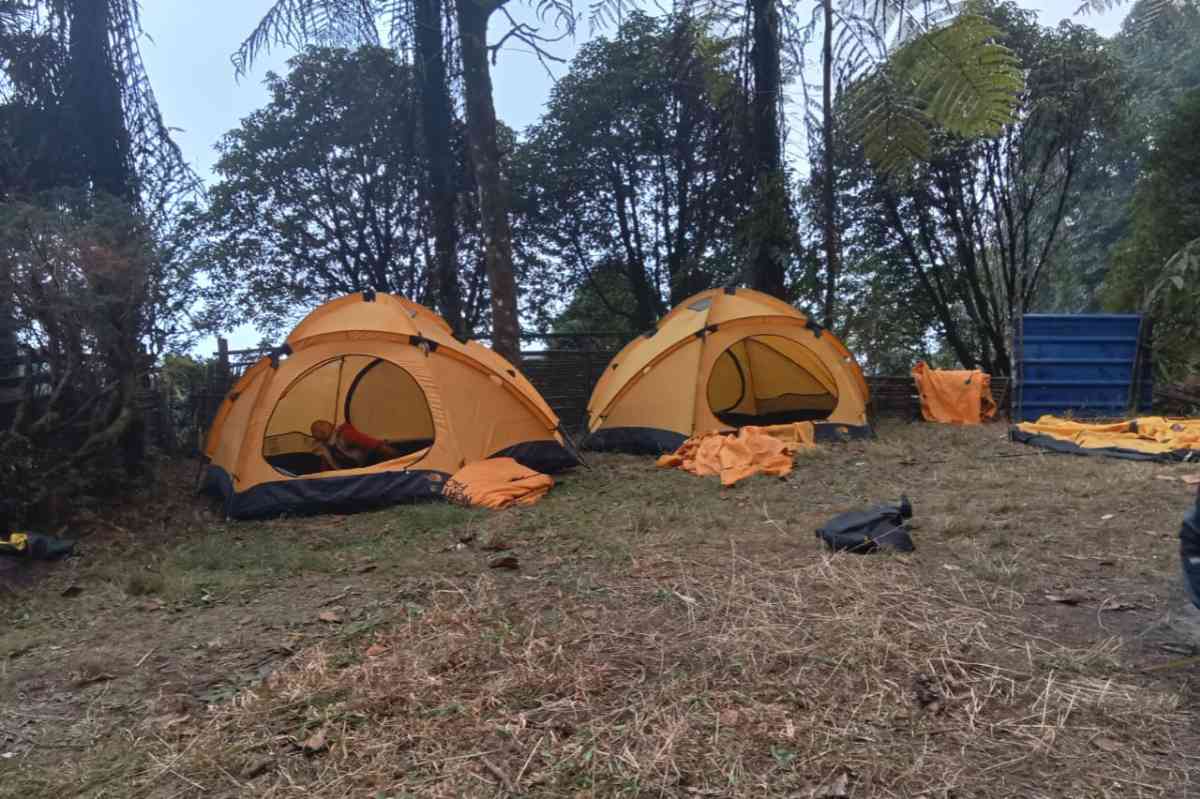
497,483
954,396
753,450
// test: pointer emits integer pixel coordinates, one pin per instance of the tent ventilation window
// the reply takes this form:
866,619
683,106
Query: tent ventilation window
762,380
374,396
700,305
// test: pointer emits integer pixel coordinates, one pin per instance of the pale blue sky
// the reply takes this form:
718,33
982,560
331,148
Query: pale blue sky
188,63
190,41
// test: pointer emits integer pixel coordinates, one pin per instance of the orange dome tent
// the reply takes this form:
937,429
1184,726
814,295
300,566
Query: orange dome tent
394,370
721,360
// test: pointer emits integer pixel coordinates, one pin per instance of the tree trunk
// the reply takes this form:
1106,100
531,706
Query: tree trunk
828,185
437,122
770,234
485,157
93,101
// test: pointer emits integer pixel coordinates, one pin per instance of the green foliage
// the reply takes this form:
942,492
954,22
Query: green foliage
634,173
77,110
978,227
589,310
1154,268
1159,65
321,193
885,318
956,77
79,272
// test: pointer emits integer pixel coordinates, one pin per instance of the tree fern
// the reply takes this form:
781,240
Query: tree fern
299,22
894,132
966,81
956,77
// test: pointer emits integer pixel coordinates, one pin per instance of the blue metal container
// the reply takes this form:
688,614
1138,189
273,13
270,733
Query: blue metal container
1082,365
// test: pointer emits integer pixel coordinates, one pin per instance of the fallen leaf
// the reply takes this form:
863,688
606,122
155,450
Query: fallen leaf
1108,516
72,590
505,560
316,743
1191,479
368,567
258,768
1107,744
1165,477
1116,605
951,568
375,650
1065,599
330,617
8,755
729,717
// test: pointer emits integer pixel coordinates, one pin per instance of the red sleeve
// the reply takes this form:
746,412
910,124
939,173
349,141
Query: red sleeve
357,439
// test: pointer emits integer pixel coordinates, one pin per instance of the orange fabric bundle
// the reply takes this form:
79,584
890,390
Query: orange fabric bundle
753,450
497,483
954,396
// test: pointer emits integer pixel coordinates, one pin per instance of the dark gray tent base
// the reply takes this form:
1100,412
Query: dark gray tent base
652,441
634,440
297,497
1068,448
300,497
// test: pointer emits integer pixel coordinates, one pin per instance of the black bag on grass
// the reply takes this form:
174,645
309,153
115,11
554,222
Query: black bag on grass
1189,552
878,527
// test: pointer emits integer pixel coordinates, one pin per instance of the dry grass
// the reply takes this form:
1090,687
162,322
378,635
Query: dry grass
668,638
734,683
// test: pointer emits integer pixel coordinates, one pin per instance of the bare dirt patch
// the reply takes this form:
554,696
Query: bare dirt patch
661,636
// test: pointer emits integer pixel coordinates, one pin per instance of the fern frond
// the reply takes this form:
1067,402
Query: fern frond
560,12
296,23
602,13
395,18
965,81
894,132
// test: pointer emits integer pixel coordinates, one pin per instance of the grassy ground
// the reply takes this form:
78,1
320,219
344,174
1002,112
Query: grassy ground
662,637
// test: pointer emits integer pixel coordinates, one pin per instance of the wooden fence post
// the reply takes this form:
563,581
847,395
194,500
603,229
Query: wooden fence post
223,360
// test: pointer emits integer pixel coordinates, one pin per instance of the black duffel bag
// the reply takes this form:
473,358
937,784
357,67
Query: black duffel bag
880,527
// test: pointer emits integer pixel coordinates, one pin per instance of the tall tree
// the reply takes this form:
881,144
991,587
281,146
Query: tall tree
629,183
93,99
1157,49
829,208
884,317
320,192
1156,266
299,22
770,230
416,31
494,201
981,222
89,182
436,120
